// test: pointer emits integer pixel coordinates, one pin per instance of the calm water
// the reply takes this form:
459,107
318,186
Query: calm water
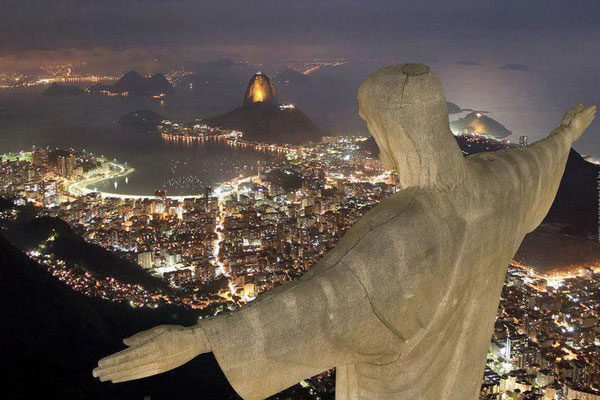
530,103
182,169
88,122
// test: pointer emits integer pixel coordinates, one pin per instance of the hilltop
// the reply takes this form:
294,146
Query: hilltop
52,338
263,119
480,124
268,123
145,120
66,245
135,84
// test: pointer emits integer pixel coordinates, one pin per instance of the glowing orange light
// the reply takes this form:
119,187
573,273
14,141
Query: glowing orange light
257,94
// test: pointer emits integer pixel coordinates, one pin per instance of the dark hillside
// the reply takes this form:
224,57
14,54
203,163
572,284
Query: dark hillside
52,337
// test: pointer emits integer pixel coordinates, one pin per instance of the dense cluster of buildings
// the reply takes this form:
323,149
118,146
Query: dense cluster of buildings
546,341
47,74
42,175
223,247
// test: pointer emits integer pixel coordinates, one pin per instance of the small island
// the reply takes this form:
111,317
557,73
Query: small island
56,89
479,124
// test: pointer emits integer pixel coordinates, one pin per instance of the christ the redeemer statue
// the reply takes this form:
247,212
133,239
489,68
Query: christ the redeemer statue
404,306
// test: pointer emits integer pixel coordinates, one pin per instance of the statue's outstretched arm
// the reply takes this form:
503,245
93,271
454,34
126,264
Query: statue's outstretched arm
306,327
152,352
536,170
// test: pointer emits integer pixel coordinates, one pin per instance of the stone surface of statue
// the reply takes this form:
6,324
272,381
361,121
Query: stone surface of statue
404,306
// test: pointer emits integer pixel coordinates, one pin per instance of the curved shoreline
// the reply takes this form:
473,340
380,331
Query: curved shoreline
118,170
81,188
235,142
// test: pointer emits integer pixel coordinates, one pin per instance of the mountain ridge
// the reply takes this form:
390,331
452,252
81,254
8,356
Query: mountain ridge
67,246
52,337
136,84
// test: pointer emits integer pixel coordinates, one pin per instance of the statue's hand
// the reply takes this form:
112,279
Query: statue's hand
577,119
152,352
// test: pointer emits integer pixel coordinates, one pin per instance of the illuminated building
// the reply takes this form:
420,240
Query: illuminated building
66,165
523,140
145,259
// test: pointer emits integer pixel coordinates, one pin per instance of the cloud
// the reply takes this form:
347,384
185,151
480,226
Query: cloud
107,60
467,62
43,24
515,67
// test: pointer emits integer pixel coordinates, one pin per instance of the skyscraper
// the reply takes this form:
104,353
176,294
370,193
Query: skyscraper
523,140
145,259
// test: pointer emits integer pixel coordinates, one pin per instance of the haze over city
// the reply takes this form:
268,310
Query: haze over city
163,162
555,40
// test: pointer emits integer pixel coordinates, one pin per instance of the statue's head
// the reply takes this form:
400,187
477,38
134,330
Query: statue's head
405,110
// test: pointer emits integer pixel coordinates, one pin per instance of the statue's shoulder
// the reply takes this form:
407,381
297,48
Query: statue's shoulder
405,253
410,229
412,218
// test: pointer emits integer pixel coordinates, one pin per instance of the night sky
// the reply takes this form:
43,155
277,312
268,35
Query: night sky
57,24
557,40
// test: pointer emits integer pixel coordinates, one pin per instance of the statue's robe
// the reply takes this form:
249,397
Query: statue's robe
404,306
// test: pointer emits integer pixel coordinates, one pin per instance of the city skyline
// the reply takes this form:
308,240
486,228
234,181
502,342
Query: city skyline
170,162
